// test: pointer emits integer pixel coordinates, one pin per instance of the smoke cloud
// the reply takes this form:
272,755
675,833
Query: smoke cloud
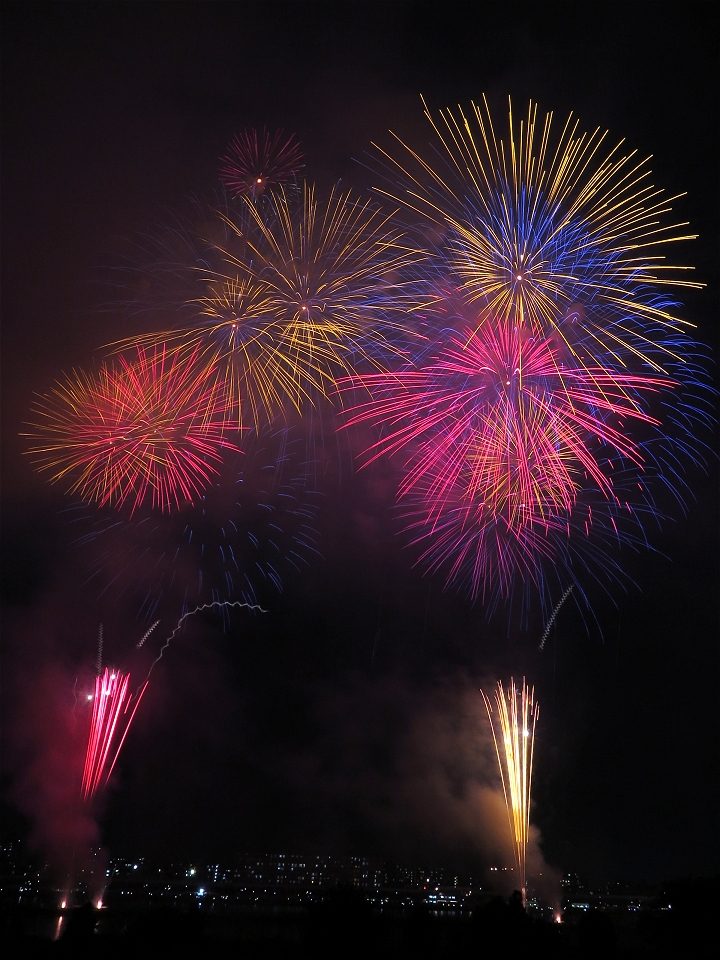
416,766
45,740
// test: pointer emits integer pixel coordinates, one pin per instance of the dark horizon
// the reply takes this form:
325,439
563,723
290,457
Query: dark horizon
347,718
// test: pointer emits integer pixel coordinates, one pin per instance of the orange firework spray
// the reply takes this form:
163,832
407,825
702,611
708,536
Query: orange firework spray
514,737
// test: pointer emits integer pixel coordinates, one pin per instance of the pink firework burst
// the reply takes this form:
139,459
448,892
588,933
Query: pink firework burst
258,162
500,431
144,430
499,412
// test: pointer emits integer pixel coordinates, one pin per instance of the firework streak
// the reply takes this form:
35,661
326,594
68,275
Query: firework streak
514,737
114,708
553,617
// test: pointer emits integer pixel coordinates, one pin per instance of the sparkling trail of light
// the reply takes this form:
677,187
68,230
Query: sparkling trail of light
514,738
215,605
98,663
553,617
147,633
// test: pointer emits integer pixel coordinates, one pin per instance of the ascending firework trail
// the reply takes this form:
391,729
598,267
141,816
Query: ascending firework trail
553,616
205,606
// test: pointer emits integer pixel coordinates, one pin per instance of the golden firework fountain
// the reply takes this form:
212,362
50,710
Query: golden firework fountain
513,730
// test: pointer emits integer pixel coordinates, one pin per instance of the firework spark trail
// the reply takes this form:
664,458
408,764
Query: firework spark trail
145,429
98,663
553,616
138,698
205,606
147,633
514,738
114,708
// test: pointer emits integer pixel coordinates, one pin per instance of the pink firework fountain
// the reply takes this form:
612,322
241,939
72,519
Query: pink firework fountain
114,707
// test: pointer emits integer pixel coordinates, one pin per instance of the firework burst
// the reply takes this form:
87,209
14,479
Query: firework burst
542,231
260,162
295,296
328,269
564,384
514,739
147,429
504,443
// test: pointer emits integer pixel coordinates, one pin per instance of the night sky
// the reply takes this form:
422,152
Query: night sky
346,719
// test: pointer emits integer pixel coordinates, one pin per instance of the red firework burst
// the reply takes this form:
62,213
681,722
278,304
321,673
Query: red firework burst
256,162
147,429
